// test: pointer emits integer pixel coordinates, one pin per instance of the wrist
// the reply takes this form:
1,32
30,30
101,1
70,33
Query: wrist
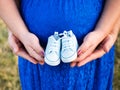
104,29
22,34
101,32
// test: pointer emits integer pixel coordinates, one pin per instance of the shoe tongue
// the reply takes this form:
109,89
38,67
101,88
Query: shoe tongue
56,36
65,33
70,33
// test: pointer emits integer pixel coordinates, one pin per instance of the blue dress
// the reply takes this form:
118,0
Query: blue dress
43,17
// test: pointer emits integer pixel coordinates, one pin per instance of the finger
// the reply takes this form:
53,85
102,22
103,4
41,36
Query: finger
85,54
85,46
109,43
34,54
73,64
38,49
93,56
41,62
25,55
105,48
13,45
88,42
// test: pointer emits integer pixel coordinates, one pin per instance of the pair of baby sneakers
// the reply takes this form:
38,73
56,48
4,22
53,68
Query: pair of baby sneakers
61,46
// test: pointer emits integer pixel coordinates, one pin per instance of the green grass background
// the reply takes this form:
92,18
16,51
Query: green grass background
9,79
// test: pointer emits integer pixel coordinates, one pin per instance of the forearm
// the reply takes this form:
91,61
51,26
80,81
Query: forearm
116,28
109,17
12,18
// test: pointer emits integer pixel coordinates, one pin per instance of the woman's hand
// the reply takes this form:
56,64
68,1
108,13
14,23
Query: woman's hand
92,48
31,50
89,45
103,34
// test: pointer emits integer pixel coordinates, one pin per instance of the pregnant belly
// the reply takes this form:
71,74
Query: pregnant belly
43,18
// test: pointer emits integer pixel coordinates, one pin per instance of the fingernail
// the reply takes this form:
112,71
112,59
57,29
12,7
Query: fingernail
79,65
41,62
79,52
35,62
42,53
72,66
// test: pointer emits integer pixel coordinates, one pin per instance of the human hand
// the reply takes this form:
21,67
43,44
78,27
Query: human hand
18,48
89,51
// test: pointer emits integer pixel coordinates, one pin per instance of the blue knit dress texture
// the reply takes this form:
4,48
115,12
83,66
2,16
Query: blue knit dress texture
43,18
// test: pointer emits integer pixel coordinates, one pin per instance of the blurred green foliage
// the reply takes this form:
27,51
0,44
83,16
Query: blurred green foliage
9,79
116,82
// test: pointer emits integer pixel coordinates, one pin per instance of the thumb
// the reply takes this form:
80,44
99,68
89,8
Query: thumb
14,44
84,46
108,43
15,48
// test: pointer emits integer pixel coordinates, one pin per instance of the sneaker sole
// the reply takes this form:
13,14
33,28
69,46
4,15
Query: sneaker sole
52,63
68,60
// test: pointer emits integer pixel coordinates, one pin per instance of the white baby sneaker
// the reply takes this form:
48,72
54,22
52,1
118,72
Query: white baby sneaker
52,52
69,47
